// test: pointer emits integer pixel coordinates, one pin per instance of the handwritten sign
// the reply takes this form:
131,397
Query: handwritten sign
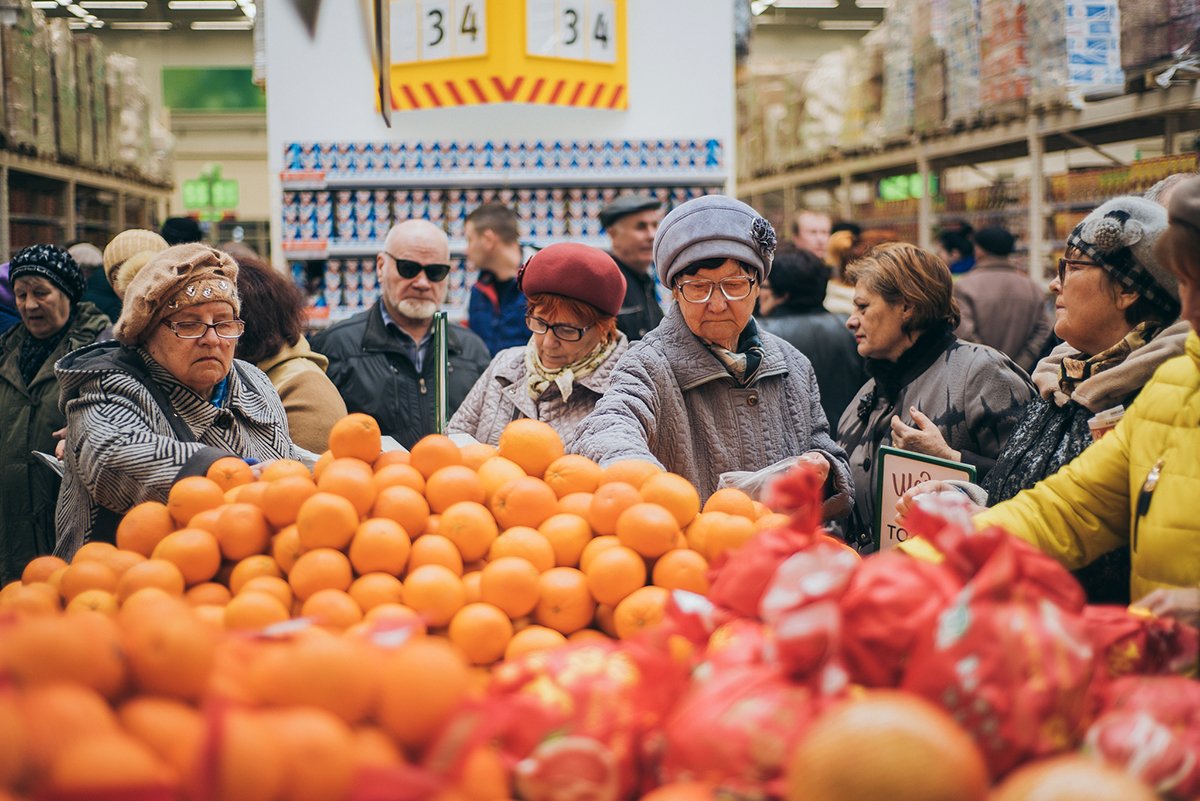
900,471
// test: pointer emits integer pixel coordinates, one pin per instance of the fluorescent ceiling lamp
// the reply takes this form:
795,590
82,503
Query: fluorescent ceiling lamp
140,26
77,10
806,3
223,25
77,25
248,8
202,5
44,4
113,5
847,24
872,3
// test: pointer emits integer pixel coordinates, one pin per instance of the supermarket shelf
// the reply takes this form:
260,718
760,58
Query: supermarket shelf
81,175
318,180
314,250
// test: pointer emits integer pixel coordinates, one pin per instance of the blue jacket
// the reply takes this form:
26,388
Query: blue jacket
496,312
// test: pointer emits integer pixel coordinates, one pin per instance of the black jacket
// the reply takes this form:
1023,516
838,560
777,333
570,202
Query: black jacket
640,313
375,376
822,337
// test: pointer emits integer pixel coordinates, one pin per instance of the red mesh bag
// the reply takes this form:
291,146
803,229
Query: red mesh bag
1129,642
742,642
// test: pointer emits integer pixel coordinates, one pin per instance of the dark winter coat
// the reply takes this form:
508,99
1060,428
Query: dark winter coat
29,415
496,312
825,340
640,312
368,365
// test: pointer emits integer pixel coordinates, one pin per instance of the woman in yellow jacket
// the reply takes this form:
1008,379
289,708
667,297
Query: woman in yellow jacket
1141,483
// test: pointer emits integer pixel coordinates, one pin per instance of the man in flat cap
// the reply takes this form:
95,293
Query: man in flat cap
631,222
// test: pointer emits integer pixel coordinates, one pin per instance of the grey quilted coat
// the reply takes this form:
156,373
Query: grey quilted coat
673,403
500,396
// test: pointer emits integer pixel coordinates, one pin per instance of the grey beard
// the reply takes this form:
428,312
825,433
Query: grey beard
415,309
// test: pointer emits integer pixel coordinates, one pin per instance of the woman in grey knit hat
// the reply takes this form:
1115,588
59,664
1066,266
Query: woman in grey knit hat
706,392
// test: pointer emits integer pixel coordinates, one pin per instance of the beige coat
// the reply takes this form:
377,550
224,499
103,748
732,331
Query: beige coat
1003,308
310,399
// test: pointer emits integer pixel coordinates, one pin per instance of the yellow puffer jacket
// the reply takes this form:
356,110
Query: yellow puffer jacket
1092,505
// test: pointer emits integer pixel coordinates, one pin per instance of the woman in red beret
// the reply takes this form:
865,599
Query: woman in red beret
573,294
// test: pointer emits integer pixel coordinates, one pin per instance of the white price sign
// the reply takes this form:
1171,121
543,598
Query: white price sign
430,30
580,30
900,471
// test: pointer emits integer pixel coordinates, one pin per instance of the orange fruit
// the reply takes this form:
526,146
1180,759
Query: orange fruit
761,510
484,774
326,520
101,601
482,631
208,593
242,530
254,610
723,532
332,609
396,613
928,756
250,493
374,589
38,598
398,475
40,568
282,498
433,452
595,546
356,436
57,714
568,535
270,585
496,472
229,472
532,444
1071,777
170,653
573,473
453,484
477,453
614,573
319,569
374,749
630,471
674,493
95,552
406,506
682,791
640,610
112,762
380,545
588,635
564,602
190,496
194,551
533,639
322,462
427,681
472,581
391,457
608,502
524,501
86,575
528,544
336,674
284,468
604,620
772,520
252,567
731,501
648,528
247,760
208,520
470,526
436,592
172,729
286,548
144,526
434,549
576,503
120,561
511,584
681,569
353,480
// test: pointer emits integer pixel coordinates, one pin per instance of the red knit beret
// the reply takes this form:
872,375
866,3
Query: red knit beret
575,271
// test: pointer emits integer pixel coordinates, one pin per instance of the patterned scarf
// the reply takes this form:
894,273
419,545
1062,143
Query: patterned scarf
34,351
540,377
742,364
1078,368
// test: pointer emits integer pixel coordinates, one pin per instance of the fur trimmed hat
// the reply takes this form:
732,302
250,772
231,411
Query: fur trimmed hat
175,279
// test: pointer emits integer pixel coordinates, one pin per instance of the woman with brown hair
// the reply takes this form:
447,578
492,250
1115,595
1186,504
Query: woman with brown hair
929,391
274,342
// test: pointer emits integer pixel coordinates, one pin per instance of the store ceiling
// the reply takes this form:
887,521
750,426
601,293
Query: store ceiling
833,15
152,15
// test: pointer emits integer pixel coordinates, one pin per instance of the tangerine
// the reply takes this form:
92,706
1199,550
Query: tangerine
681,569
380,545
320,569
229,472
482,631
568,535
356,436
375,589
252,567
532,444
326,520
496,472
433,452
648,528
640,610
398,475
615,573
451,485
427,681
332,609
194,551
190,496
731,501
470,526
564,602
254,609
284,468
674,493
434,549
144,526
576,503
511,584
525,501
532,640
353,480
573,473
242,530
630,471
608,502
282,498
528,544
477,453
436,592
406,506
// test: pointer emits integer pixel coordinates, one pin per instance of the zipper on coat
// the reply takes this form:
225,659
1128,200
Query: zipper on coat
1145,497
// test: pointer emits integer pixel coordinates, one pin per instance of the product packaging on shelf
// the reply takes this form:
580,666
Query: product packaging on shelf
898,79
45,140
66,89
962,61
1004,72
16,49
1074,50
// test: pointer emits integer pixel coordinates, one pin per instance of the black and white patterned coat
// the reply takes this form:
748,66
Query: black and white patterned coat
122,449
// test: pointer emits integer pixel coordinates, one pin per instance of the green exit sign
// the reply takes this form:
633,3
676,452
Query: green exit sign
205,195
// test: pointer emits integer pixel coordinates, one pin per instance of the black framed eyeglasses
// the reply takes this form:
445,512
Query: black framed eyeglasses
1066,266
194,329
567,333
410,269
735,287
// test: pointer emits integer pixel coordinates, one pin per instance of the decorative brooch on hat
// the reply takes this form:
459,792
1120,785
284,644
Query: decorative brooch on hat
764,237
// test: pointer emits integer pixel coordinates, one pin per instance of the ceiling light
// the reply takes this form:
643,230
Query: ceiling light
847,24
759,6
140,26
44,4
223,25
872,3
806,3
77,10
77,25
202,5
113,5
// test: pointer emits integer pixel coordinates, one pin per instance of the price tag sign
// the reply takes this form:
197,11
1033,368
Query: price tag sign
434,30
900,471
580,30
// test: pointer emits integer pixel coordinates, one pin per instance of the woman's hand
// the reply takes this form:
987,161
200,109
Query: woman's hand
905,504
817,461
1182,604
60,447
925,438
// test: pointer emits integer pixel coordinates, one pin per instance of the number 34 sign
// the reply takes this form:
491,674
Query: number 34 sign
467,52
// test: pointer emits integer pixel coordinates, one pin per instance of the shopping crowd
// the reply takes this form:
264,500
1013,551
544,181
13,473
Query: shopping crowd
697,342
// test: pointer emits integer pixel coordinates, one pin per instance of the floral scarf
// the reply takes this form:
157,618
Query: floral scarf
742,364
1079,367
540,377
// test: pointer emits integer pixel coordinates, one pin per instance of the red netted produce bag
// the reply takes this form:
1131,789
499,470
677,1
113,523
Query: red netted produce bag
1133,642
1151,729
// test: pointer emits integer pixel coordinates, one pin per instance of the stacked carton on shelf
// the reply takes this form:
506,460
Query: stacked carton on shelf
66,89
91,53
16,53
44,134
825,103
929,65
1145,33
898,86
863,122
129,124
1004,79
962,61
1074,50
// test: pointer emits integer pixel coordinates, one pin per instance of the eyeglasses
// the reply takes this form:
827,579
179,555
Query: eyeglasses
735,287
567,333
410,269
194,329
1071,266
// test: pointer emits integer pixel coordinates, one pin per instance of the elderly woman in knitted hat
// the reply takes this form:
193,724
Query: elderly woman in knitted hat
573,294
706,393
47,286
166,400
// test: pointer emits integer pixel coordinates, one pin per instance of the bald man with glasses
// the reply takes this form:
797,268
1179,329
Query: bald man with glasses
381,360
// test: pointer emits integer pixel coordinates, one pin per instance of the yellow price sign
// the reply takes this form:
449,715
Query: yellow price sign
471,52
